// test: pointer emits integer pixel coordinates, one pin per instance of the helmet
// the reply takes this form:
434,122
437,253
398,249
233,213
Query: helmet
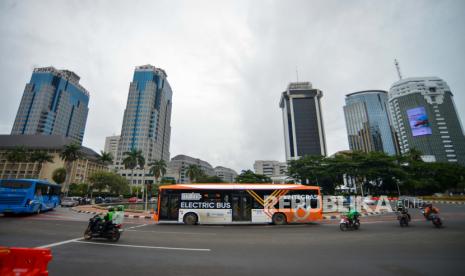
111,209
120,208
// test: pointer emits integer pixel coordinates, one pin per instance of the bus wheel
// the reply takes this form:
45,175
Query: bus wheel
190,219
279,219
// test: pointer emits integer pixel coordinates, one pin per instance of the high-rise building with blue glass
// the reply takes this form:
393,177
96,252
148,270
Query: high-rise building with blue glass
368,122
53,103
146,122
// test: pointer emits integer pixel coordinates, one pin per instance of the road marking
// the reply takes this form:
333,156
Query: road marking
59,243
137,226
145,246
171,232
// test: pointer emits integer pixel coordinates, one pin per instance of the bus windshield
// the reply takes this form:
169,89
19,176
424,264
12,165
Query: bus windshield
15,184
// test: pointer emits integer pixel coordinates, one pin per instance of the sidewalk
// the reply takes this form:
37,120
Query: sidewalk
90,209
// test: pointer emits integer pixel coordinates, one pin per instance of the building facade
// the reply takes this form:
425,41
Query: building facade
80,169
270,168
226,174
303,121
177,168
147,117
368,123
425,118
111,145
53,103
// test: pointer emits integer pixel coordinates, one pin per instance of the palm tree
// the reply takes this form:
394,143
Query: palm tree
132,159
157,169
105,157
193,172
41,157
69,154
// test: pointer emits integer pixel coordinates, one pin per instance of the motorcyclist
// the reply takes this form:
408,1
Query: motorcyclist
352,215
402,209
118,217
429,209
108,218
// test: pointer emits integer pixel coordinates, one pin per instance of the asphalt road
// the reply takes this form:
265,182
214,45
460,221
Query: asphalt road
380,247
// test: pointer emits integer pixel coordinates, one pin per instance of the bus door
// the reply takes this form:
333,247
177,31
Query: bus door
169,207
241,207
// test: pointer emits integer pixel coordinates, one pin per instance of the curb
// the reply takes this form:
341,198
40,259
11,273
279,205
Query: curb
101,213
446,202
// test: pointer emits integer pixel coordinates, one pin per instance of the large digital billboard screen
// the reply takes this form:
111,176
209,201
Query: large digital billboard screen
418,120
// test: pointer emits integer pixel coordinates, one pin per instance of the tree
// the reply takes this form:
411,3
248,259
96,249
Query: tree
41,157
110,181
69,154
132,159
193,172
157,169
203,178
59,175
17,155
105,157
248,176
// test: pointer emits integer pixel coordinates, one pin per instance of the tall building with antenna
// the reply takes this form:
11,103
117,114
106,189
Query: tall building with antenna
303,120
425,118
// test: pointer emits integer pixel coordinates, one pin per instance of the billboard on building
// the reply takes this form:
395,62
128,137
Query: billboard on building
419,122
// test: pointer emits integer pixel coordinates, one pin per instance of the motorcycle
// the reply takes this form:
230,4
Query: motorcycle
434,217
403,218
98,228
346,224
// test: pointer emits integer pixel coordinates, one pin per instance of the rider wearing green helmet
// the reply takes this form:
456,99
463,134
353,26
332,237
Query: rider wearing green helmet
352,215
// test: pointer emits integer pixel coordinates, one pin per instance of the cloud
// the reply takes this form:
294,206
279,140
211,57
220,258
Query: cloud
228,62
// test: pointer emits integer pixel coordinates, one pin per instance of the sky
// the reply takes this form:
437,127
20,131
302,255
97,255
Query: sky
229,61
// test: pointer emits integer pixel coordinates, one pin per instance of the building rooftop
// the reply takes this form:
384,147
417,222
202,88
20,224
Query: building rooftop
42,142
65,74
366,92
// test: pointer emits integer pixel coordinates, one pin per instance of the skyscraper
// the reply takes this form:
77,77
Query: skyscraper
368,123
303,121
147,117
53,103
425,118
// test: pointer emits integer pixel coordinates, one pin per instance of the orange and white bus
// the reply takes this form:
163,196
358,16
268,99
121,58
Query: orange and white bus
238,203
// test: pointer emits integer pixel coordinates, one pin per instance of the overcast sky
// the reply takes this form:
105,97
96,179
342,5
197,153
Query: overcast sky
229,61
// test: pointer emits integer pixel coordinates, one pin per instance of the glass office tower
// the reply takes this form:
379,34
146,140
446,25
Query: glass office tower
368,123
146,123
53,103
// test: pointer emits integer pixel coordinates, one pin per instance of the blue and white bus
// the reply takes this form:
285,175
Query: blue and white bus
28,196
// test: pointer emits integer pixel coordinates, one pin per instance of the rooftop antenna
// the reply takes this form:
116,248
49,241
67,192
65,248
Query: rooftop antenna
398,68
297,73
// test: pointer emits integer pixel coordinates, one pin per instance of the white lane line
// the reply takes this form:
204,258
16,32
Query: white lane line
137,226
172,232
59,243
145,246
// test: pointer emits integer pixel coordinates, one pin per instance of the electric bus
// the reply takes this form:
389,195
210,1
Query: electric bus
28,196
238,203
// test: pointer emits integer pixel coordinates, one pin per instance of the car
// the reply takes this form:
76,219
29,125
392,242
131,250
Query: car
69,202
99,200
153,200
133,199
112,200
411,201
368,200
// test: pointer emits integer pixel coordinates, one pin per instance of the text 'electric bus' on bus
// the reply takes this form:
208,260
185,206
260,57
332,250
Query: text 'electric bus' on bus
234,203
28,196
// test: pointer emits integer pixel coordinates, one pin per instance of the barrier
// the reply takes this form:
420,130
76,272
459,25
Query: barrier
16,261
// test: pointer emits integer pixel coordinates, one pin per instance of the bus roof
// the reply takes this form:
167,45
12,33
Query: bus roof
43,181
239,186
